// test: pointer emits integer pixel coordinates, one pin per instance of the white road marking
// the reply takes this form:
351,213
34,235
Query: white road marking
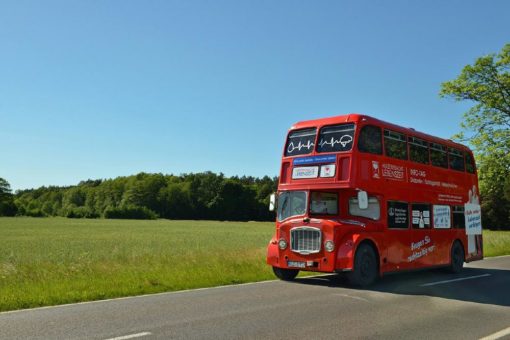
497,335
454,280
353,297
130,336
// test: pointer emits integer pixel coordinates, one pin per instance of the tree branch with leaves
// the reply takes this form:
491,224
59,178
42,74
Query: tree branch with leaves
486,127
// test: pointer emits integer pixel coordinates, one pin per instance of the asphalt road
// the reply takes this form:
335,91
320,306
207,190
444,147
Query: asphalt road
423,305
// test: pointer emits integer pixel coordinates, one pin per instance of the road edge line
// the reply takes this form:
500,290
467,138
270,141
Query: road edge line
153,294
497,335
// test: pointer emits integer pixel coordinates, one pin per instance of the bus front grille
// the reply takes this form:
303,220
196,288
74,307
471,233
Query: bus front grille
305,240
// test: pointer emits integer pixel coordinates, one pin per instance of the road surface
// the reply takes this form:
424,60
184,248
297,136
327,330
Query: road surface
423,305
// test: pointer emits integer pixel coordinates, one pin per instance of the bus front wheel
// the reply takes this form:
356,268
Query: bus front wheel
285,274
456,258
365,270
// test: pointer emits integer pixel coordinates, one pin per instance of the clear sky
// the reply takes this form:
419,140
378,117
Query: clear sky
99,89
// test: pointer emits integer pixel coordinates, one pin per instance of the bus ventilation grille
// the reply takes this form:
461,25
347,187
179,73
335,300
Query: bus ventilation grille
305,240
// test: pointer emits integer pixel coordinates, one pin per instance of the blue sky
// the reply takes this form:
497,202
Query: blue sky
99,89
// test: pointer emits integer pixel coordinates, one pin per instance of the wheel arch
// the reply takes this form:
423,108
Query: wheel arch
370,242
459,241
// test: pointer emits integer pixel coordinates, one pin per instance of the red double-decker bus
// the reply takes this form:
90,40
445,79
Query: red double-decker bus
364,197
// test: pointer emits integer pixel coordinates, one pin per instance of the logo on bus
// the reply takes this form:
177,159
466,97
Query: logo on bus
375,170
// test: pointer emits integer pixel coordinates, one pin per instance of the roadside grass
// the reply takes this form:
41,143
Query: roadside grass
496,243
49,261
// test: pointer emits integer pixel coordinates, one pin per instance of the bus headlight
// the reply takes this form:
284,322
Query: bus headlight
329,246
282,244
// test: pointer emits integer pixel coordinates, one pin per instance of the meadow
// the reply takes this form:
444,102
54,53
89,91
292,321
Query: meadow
496,243
48,261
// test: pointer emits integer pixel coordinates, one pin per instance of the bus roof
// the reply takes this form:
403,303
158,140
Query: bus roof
357,117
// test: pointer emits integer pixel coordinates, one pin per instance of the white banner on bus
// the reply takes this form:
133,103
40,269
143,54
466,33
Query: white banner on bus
441,215
473,217
305,172
328,170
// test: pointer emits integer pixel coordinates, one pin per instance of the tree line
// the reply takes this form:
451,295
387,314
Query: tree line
148,196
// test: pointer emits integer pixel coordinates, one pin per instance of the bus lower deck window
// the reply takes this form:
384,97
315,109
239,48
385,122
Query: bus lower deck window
459,221
373,211
398,215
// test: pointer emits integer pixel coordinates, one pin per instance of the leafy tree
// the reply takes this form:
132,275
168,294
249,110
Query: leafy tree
7,206
175,201
486,126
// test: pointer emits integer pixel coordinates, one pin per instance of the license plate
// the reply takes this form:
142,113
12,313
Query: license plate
296,264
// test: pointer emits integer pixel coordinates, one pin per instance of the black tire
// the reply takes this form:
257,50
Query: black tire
366,269
285,274
456,258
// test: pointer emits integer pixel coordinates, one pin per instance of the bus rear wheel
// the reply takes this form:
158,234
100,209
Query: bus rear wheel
456,258
285,274
365,270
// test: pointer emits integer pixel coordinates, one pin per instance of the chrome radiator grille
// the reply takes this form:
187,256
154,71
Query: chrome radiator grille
305,240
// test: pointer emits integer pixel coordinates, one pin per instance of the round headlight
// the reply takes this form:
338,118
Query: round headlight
329,245
282,244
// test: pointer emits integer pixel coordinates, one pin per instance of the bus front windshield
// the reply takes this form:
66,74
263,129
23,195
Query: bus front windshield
291,203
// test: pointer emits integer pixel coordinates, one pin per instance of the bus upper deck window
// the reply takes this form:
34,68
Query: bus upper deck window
370,140
456,159
438,155
336,138
418,150
395,144
300,142
470,163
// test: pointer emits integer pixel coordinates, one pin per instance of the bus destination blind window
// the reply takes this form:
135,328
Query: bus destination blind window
336,138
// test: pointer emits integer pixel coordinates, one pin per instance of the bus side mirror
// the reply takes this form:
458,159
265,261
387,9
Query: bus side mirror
362,200
272,202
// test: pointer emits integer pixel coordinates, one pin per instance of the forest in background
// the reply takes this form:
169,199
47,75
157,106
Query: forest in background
148,196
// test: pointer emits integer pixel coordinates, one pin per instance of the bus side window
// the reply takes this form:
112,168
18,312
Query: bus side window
438,155
395,144
470,163
398,215
456,159
458,217
420,214
418,150
373,211
370,140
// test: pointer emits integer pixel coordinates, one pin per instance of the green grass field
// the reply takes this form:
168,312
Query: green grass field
48,261
496,243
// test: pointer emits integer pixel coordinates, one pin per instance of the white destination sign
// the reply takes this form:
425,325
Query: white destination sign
473,217
305,172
